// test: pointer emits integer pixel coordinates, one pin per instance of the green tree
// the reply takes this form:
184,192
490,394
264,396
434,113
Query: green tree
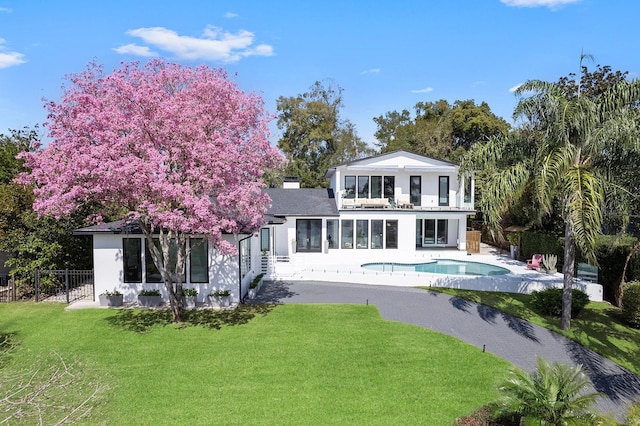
562,174
33,243
438,129
314,135
552,395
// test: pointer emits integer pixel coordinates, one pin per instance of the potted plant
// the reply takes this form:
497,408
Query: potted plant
150,298
550,261
255,286
514,243
189,297
220,298
111,298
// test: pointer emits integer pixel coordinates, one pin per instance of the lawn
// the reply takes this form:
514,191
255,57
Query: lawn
597,327
290,364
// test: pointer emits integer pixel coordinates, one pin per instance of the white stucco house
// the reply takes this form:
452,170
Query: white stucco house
385,206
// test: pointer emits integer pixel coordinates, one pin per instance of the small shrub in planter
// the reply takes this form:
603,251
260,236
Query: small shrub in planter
631,304
549,302
220,298
111,298
189,296
255,285
150,298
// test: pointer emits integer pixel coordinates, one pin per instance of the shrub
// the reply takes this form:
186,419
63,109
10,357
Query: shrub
631,304
541,242
486,416
189,292
549,302
221,293
256,280
154,292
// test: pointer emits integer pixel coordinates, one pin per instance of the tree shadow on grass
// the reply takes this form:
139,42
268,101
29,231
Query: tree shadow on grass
142,320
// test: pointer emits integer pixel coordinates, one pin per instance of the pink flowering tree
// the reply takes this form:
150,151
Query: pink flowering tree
179,150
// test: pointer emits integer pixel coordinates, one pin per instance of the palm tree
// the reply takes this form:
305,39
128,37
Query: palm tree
555,394
575,131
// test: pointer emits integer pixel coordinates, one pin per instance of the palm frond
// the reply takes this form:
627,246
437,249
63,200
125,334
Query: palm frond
585,198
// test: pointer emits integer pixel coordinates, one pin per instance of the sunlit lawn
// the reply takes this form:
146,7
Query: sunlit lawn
293,364
597,327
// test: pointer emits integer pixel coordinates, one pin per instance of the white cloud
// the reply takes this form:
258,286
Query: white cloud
230,15
514,88
425,90
5,10
134,49
9,59
371,71
215,44
551,4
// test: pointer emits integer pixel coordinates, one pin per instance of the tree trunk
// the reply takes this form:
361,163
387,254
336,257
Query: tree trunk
567,269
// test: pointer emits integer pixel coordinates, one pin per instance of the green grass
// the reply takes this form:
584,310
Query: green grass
293,364
597,327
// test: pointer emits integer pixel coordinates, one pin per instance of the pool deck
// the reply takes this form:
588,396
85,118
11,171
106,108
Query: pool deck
520,279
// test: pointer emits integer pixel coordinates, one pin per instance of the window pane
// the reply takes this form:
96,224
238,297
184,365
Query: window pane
376,186
347,234
199,272
152,273
245,257
349,187
332,233
429,231
362,234
264,239
132,260
442,231
443,191
390,187
467,189
363,186
376,234
309,235
415,190
392,234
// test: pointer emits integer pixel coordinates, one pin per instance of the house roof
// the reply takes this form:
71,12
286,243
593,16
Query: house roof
302,202
388,161
117,227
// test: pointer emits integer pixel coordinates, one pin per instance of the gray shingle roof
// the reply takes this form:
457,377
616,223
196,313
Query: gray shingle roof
302,202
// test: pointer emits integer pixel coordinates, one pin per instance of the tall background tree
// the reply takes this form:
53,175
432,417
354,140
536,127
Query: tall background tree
438,129
564,174
314,136
178,150
30,242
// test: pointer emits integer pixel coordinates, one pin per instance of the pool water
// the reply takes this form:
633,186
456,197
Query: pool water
440,266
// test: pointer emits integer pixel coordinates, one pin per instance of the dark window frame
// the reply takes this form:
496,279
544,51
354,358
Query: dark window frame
443,198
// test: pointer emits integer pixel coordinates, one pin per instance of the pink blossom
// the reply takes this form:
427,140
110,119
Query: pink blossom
175,147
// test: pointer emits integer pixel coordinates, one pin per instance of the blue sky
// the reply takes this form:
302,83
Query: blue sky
385,55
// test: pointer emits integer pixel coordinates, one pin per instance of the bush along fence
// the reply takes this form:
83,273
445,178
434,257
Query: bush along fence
63,285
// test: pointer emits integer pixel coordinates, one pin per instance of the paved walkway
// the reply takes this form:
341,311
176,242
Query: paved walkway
513,339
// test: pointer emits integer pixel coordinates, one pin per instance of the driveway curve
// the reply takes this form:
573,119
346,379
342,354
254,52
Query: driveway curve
519,342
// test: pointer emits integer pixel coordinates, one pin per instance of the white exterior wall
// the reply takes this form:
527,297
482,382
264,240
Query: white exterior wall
109,273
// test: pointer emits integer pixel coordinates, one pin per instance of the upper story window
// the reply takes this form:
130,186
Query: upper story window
376,186
467,189
415,190
443,191
390,187
363,186
349,187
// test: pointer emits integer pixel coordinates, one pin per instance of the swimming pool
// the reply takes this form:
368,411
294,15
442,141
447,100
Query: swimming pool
440,266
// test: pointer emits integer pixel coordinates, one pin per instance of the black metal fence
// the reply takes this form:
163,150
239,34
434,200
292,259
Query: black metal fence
63,285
